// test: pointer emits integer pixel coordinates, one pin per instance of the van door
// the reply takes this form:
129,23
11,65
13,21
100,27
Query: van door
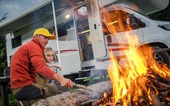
96,32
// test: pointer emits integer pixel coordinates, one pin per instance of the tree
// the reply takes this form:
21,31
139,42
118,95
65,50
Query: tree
162,15
4,17
3,59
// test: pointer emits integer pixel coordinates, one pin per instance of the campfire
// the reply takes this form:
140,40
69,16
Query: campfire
139,80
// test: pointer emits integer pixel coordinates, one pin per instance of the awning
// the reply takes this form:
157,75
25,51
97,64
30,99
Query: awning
34,14
39,11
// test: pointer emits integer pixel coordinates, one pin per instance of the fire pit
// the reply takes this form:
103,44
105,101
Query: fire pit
158,94
140,81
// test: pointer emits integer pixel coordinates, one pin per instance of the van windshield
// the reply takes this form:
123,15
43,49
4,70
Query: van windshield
115,21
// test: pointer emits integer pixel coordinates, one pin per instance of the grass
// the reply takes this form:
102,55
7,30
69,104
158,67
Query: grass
96,79
12,100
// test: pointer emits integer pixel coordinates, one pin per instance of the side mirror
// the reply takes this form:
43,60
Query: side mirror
132,21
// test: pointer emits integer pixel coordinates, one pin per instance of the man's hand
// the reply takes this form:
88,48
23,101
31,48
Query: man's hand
67,83
64,82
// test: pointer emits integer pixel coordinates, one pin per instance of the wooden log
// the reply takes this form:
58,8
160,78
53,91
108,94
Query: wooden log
78,97
156,101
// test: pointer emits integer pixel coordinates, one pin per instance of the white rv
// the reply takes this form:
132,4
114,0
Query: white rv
84,36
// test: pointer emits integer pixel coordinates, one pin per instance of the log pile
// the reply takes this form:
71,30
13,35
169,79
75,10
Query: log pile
160,90
158,87
78,97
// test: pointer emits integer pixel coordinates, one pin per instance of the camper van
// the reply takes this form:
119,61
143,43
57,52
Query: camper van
87,29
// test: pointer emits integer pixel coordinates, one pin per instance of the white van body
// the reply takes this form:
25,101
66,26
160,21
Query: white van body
149,32
71,50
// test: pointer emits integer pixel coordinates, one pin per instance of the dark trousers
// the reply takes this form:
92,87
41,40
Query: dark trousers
34,92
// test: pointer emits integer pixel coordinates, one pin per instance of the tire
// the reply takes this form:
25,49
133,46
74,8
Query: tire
161,57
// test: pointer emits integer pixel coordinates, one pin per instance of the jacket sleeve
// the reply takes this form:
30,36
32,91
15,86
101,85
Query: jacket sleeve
37,60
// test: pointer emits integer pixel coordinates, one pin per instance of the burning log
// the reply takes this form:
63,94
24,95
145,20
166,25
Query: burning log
158,92
160,89
155,99
78,97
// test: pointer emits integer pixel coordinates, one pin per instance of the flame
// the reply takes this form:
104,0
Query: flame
105,95
124,78
130,79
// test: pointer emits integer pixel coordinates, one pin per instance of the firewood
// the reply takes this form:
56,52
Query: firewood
155,99
77,97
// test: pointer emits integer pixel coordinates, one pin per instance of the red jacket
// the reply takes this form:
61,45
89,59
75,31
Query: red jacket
26,62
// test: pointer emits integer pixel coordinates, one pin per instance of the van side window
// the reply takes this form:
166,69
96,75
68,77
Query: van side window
117,21
134,22
66,31
16,41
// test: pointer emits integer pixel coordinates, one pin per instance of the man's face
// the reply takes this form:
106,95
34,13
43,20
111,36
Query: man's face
43,40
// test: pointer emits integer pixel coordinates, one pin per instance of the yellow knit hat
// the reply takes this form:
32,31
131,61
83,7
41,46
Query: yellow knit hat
44,32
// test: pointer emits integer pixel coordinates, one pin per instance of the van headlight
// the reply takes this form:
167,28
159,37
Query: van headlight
166,27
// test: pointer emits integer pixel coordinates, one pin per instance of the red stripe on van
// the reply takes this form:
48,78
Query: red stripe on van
62,51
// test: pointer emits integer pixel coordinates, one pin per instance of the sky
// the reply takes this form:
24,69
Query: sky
15,7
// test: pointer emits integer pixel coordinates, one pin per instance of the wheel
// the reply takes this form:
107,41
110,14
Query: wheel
161,57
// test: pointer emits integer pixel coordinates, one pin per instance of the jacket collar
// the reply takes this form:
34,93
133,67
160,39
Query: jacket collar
38,43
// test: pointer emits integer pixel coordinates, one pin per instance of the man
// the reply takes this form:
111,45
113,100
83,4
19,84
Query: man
26,63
